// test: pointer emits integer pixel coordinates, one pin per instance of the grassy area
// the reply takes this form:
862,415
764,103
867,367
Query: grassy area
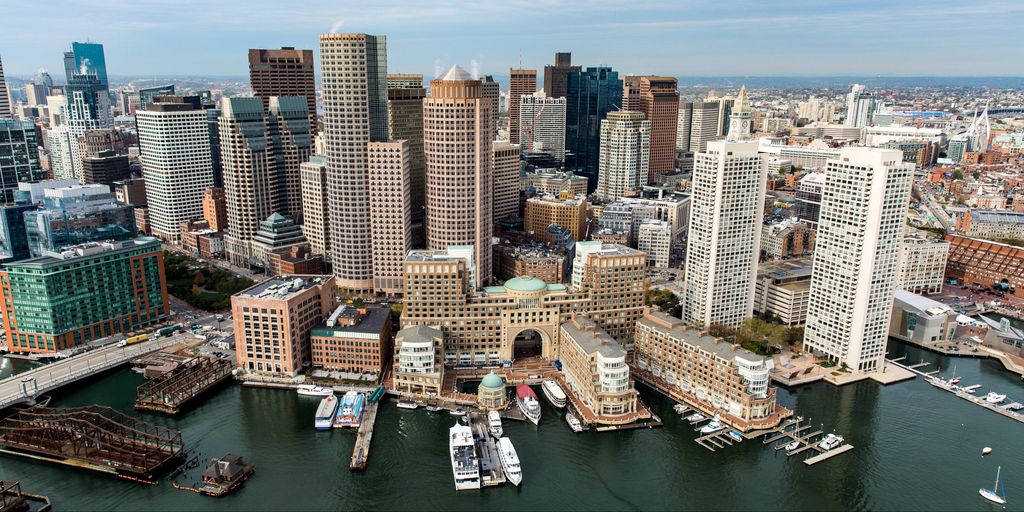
203,286
759,336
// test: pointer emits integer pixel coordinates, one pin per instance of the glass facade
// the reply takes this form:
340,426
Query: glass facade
19,156
13,239
592,93
69,221
86,59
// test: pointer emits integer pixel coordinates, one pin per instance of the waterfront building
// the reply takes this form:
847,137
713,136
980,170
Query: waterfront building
788,238
542,125
556,77
547,263
215,209
553,182
419,360
595,370
724,237
275,233
354,92
19,156
505,196
625,154
354,340
315,205
857,257
405,122
922,321
273,321
1002,336
390,212
860,107
654,237
83,293
75,215
591,95
174,141
991,224
987,264
491,394
522,82
487,326
731,380
566,211
783,289
922,264
459,175
284,72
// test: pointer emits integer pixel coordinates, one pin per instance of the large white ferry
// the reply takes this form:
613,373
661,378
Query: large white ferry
528,403
465,466
325,413
553,392
509,461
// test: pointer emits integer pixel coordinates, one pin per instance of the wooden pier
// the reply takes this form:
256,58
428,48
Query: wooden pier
361,450
13,499
170,392
827,455
805,442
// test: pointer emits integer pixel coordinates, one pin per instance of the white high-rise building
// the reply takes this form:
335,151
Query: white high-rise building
683,120
860,107
58,139
542,125
315,207
724,238
390,212
355,98
625,154
655,238
174,141
857,256
703,124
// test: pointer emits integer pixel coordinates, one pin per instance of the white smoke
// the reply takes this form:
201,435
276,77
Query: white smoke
83,68
336,26
474,68
437,67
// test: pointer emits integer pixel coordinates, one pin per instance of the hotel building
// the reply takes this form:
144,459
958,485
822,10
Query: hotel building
418,365
356,340
390,212
566,211
595,370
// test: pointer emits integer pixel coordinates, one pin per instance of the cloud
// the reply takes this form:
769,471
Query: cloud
336,26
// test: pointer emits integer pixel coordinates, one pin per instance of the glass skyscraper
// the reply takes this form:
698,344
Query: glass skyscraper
19,156
75,215
591,94
86,59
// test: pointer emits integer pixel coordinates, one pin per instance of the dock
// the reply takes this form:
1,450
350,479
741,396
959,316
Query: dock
827,455
491,472
361,450
170,392
961,393
792,431
13,499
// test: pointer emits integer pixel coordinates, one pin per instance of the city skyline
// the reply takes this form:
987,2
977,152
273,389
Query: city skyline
838,39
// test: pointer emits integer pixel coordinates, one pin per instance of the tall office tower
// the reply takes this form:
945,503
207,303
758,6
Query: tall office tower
631,94
457,143
5,98
104,157
683,121
404,81
315,208
390,212
87,108
625,154
294,144
505,197
405,122
19,157
724,114
354,91
86,59
556,78
284,72
659,99
724,238
521,83
147,95
857,256
491,90
35,94
58,141
703,125
215,208
741,119
174,142
542,125
860,106
591,95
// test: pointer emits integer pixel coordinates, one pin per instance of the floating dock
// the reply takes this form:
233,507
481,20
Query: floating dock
361,450
13,499
961,393
173,390
827,455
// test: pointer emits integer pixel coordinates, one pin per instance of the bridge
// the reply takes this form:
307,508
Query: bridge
26,386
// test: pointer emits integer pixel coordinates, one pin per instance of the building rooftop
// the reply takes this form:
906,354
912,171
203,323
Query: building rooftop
525,284
1000,216
417,333
922,305
457,73
282,287
785,270
89,249
678,330
592,339
347,319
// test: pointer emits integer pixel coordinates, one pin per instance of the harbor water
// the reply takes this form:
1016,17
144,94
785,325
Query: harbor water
917,447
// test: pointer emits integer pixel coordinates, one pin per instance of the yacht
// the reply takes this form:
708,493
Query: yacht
325,413
994,398
830,441
458,411
494,420
695,417
553,392
1016,406
712,427
403,404
509,461
311,390
574,423
465,466
680,408
346,410
357,412
528,403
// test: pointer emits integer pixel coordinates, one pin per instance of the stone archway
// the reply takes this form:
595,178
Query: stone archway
528,343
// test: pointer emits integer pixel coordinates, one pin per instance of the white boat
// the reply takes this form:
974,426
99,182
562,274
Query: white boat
994,494
1015,406
712,427
680,408
553,392
465,466
792,446
954,380
972,388
528,403
458,411
433,408
494,422
830,441
994,398
311,390
573,422
695,417
402,404
324,419
509,461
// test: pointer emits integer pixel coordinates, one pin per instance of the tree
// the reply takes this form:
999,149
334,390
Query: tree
958,174
664,299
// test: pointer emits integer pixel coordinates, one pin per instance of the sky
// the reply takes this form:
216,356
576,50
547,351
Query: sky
669,37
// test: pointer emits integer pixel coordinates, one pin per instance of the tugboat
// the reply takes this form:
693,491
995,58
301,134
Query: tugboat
225,475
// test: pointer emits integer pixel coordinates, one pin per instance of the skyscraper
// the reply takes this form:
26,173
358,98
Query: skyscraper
506,180
591,95
542,125
659,98
521,82
724,238
87,108
354,71
741,119
19,156
174,142
703,125
405,122
857,256
625,154
315,207
86,59
860,106
457,144
5,99
284,72
390,213
683,120
491,90
556,78
294,144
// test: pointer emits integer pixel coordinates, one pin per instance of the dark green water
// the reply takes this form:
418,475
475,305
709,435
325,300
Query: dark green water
916,448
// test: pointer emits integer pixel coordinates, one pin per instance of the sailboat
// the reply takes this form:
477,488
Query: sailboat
954,379
994,494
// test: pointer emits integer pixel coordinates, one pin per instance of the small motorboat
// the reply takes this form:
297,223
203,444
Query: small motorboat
573,422
831,441
680,408
311,390
404,404
695,417
458,411
433,408
994,398
792,446
985,451
712,427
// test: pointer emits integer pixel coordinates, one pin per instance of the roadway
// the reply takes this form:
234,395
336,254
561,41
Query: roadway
937,211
